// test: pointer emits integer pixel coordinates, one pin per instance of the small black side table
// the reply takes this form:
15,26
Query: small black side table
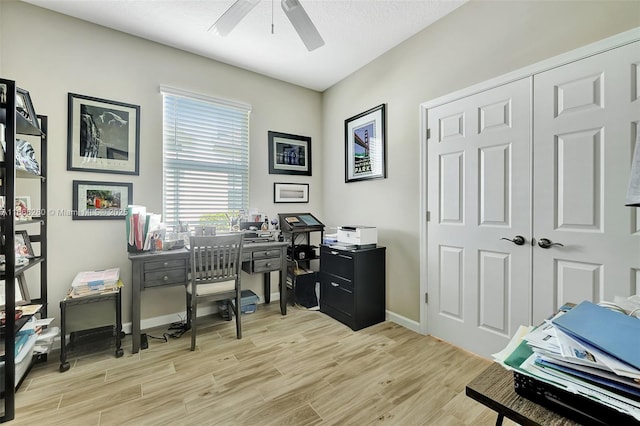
83,314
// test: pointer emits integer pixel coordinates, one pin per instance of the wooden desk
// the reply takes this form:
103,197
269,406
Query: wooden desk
494,388
171,268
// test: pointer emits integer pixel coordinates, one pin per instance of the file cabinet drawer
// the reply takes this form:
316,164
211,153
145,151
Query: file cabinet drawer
337,262
338,294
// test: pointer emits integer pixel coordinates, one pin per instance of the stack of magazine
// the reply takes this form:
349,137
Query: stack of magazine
589,351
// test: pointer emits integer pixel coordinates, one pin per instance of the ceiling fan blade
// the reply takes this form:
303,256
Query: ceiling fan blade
302,24
232,16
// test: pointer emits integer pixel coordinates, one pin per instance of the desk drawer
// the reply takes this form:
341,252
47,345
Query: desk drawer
165,277
165,264
266,254
266,265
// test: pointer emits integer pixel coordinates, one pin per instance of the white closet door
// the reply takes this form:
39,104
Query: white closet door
478,194
585,116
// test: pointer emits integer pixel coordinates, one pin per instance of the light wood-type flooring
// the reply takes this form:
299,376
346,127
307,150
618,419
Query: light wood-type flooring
304,368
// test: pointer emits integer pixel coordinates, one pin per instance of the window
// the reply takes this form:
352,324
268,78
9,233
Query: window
205,158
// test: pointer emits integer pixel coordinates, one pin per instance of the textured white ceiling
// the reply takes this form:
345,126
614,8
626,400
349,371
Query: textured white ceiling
355,31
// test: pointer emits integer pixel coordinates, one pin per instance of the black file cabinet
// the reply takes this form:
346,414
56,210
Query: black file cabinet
352,285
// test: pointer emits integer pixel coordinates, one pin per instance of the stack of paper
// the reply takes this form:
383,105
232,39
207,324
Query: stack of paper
587,350
95,282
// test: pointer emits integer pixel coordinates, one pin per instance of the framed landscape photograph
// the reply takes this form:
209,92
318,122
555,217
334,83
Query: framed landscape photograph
102,135
101,200
289,154
365,145
290,192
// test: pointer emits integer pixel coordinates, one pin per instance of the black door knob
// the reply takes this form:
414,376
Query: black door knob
546,243
517,240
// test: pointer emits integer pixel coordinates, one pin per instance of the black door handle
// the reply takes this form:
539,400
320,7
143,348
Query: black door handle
546,243
517,240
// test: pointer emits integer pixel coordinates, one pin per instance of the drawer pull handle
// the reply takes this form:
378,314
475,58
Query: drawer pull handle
165,264
166,278
335,284
267,264
267,253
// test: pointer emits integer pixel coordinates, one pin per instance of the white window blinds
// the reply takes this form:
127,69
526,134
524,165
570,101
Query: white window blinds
205,157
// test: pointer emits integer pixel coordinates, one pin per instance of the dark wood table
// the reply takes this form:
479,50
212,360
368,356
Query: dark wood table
494,388
171,268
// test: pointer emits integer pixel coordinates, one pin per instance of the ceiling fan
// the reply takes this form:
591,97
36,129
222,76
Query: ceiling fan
292,8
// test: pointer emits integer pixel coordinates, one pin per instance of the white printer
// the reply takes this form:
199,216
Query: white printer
362,236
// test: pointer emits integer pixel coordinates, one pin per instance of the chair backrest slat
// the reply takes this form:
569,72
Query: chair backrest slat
216,258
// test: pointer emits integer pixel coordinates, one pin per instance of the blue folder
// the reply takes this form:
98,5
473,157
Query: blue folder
612,332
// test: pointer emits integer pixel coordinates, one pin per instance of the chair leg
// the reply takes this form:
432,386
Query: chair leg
238,315
194,322
188,324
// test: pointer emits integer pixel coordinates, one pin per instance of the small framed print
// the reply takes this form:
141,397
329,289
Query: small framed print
24,107
103,136
23,245
365,145
289,154
290,192
23,207
101,200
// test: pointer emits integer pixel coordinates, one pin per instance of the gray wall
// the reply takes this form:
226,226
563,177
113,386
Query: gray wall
51,54
477,41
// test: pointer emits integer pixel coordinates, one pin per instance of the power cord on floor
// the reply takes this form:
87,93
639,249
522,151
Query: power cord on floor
176,330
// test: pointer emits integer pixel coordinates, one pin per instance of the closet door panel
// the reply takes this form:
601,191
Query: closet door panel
585,116
479,196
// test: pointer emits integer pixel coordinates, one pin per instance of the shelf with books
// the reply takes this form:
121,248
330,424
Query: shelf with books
23,134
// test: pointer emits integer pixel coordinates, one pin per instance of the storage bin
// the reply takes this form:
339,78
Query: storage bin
23,361
248,305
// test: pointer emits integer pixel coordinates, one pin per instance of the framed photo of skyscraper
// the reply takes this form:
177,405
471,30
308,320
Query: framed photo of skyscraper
365,145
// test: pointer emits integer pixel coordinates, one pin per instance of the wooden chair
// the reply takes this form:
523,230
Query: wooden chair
215,275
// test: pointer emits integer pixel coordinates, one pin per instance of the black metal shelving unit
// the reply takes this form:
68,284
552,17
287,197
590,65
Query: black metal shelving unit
300,253
17,125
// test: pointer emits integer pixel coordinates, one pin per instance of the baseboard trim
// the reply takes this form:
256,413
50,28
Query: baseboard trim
403,321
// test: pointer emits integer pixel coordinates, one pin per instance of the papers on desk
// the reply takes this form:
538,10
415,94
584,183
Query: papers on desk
141,226
571,362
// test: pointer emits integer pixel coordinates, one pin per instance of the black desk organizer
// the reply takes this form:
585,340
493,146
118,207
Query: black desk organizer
583,410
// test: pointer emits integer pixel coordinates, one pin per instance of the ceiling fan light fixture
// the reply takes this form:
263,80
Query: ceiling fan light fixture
302,24
233,16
